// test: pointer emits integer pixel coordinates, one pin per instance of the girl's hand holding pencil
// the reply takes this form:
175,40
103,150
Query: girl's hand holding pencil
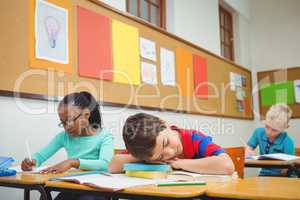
28,164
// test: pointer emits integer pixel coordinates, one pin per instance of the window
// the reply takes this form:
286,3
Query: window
152,11
226,34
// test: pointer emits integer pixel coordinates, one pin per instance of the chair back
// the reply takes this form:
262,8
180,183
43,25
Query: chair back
297,151
237,155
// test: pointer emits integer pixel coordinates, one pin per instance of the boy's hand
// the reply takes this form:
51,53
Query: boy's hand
249,152
60,167
176,163
28,164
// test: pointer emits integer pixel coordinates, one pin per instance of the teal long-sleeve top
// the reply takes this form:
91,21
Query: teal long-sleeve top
94,152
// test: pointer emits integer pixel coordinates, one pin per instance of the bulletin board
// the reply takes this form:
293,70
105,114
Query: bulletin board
279,86
22,73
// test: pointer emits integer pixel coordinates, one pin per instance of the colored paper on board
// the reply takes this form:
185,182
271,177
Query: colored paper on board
126,59
51,32
277,93
148,49
247,104
149,74
184,71
297,90
200,76
50,35
284,92
267,95
94,45
167,67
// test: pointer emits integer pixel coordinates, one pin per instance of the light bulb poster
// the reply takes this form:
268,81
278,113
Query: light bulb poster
51,36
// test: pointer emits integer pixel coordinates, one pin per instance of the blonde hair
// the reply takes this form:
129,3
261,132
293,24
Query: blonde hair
278,116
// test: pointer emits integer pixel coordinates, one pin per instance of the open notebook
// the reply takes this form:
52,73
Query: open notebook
107,182
274,156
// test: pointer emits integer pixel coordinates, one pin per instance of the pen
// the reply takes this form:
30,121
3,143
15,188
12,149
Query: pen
181,183
105,173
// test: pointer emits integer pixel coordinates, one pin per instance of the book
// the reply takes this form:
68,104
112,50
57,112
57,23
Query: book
106,181
147,174
146,167
274,156
5,162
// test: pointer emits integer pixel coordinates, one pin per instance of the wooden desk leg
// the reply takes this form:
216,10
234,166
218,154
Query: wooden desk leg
26,194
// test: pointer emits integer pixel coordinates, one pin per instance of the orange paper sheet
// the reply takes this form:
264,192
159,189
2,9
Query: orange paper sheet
94,45
184,71
200,76
45,64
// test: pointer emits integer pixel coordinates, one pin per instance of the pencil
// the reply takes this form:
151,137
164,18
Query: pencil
28,150
181,183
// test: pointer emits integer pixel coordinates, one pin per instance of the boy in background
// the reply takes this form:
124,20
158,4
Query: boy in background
272,138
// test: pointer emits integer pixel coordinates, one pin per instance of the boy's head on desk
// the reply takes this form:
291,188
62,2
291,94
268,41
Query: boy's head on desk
150,139
277,120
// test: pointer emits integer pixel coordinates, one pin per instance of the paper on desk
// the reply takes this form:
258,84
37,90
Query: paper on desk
190,176
35,170
112,182
274,156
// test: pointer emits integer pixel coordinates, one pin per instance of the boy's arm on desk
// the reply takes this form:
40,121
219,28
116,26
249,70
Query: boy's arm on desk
117,162
221,164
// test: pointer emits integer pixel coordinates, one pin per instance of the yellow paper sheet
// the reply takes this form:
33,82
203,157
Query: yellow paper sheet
126,59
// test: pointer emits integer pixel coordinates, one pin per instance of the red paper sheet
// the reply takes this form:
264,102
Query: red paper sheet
94,45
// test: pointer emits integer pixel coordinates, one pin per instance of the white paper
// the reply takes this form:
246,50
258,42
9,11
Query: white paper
114,181
232,81
239,93
35,170
148,49
275,156
167,67
297,90
197,175
149,74
51,32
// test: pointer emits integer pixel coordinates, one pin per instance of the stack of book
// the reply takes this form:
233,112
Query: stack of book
149,171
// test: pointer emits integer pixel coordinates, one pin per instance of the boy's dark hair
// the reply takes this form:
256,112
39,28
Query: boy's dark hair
139,134
85,100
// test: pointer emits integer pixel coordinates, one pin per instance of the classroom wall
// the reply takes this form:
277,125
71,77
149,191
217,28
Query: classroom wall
202,29
275,30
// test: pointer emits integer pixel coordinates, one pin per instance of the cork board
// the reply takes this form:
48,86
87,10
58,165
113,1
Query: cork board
18,77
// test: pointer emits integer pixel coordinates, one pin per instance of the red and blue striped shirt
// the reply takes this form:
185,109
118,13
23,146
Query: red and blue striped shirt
196,144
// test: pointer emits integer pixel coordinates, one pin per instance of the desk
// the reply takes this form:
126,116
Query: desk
141,192
29,182
268,163
258,188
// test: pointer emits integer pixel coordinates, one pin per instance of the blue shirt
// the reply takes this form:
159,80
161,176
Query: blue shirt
94,152
282,144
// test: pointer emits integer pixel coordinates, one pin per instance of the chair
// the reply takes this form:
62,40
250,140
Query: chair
297,151
120,151
237,155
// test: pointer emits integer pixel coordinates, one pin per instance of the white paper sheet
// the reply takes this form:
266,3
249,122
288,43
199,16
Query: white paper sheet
167,67
113,182
149,74
297,90
274,156
35,170
148,49
51,32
